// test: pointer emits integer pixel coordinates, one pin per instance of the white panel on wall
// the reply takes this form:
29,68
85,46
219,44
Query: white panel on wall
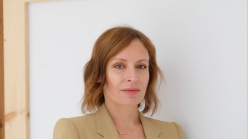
201,49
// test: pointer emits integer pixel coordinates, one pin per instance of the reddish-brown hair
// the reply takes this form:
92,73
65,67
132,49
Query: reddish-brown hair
108,45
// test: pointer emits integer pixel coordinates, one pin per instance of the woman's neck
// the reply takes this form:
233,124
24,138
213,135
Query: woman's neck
124,116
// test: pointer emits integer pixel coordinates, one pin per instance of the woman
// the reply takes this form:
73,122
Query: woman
121,73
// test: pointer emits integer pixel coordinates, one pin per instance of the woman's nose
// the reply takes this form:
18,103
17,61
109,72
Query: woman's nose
132,75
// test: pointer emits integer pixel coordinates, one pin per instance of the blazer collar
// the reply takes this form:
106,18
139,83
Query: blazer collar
150,129
106,127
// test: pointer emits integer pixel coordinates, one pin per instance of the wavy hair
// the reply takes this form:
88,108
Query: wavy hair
108,45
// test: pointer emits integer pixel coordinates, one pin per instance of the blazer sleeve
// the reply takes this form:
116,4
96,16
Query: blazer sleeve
65,129
179,130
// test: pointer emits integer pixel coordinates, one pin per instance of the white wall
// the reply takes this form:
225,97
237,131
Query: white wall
201,49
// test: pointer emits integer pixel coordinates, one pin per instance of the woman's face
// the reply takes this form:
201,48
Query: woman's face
127,75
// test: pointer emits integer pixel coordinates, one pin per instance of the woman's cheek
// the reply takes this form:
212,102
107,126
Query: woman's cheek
145,79
114,77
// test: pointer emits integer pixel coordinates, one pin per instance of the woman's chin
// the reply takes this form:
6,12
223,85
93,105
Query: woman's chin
130,103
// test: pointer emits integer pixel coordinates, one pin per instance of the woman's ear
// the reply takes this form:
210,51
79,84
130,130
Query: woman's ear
99,79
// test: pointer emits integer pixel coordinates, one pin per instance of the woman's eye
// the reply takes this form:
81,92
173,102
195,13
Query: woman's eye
142,66
119,66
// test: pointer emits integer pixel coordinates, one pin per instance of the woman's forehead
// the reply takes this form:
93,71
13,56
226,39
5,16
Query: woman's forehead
134,51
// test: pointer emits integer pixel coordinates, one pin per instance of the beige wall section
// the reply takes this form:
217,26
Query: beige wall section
16,68
16,71
1,74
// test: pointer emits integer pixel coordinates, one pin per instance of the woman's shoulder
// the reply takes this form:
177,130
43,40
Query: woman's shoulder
77,121
163,124
168,127
81,119
69,127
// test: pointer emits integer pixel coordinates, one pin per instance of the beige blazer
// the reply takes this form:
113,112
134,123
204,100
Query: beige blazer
99,125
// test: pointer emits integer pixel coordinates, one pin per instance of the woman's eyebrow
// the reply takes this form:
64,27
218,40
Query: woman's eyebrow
126,60
119,59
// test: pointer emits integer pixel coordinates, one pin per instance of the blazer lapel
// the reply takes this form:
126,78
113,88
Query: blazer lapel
150,129
104,124
106,127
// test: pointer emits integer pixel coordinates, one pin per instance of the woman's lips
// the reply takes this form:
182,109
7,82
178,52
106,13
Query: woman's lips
131,91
